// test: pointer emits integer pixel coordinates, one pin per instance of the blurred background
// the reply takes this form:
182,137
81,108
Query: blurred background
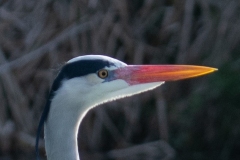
196,119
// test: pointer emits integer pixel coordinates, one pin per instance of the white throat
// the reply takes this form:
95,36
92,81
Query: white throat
69,105
61,126
61,129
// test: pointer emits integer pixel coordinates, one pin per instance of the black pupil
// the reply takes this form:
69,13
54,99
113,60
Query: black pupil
104,73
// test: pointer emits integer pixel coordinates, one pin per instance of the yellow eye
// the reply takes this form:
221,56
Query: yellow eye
103,73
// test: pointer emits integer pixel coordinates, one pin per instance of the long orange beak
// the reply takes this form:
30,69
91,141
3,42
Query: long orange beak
137,74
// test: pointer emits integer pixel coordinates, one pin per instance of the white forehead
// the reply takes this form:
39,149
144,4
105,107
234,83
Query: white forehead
116,62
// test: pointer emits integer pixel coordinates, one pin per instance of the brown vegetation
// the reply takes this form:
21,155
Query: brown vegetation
192,119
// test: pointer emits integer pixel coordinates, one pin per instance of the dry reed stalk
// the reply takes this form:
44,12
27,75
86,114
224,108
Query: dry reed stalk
147,150
39,35
72,30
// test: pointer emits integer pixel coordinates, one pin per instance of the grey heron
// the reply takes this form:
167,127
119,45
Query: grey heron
87,81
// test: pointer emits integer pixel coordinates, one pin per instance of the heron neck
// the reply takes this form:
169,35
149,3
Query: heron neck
61,130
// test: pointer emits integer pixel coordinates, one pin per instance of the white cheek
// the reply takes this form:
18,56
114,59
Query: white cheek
132,90
103,92
91,91
92,79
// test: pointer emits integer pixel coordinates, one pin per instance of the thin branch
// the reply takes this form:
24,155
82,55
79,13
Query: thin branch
70,31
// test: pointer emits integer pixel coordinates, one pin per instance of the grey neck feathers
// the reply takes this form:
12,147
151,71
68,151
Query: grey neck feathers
61,128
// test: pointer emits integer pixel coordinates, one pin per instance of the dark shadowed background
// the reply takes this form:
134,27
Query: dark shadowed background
197,119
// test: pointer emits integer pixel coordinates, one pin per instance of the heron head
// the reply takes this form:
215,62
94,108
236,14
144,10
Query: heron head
97,79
